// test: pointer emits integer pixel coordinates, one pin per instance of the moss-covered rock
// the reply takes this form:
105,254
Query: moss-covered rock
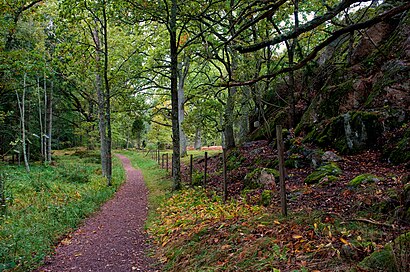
260,178
324,174
348,133
364,178
393,257
401,153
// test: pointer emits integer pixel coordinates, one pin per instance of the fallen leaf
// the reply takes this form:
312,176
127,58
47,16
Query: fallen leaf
294,236
344,241
66,241
224,247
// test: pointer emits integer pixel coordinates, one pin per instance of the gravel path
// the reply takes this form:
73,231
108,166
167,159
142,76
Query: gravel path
112,240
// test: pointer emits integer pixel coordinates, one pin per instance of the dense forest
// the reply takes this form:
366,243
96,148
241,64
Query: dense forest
176,75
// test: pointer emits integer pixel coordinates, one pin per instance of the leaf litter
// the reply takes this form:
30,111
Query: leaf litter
332,226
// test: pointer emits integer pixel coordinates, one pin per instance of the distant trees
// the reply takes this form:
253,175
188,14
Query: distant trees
206,70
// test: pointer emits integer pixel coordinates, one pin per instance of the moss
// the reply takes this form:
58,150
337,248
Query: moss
197,178
324,174
266,197
251,179
401,153
392,258
234,160
364,178
348,133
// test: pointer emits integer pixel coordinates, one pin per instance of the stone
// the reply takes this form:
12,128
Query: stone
330,156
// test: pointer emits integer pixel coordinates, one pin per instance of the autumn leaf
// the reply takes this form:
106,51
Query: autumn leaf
344,241
224,247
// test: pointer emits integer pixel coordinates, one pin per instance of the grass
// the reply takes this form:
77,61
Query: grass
48,203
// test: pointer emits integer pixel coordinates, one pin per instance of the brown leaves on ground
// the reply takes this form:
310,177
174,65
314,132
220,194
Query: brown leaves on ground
332,226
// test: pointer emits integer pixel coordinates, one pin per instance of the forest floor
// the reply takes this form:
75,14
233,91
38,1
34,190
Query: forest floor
113,239
332,225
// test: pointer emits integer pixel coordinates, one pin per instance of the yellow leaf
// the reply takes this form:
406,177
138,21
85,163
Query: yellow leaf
294,236
66,241
344,241
276,222
226,247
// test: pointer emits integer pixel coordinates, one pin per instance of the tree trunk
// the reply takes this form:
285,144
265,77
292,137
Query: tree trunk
229,136
44,133
23,123
183,68
291,55
40,119
50,121
197,143
101,105
176,166
108,98
244,118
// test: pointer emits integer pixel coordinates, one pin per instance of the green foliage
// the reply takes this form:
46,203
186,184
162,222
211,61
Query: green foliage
42,207
266,197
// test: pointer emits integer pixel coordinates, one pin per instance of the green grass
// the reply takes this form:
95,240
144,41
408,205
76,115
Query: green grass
47,204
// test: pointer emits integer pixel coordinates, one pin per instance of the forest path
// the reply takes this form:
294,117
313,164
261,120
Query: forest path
113,239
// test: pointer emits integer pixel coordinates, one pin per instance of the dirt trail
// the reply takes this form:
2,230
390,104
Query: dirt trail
112,240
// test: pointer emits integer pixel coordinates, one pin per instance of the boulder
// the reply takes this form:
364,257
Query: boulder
394,257
324,174
363,179
261,178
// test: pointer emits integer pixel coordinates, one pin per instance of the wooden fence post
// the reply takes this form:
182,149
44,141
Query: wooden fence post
167,162
225,180
172,165
206,168
281,148
2,196
191,166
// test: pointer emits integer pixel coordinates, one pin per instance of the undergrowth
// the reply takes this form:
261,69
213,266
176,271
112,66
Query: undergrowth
48,203
195,231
